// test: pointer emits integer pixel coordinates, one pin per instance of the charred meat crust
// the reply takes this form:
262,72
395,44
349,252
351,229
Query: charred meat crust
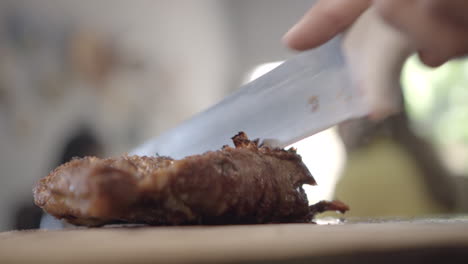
247,184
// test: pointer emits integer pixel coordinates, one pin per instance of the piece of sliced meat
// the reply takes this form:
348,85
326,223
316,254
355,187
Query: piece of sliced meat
248,184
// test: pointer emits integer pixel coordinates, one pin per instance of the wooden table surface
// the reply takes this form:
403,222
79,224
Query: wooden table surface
422,241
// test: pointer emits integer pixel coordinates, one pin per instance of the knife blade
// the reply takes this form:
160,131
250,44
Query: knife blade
304,95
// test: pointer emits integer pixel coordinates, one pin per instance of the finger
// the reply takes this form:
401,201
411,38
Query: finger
434,58
431,59
323,21
453,11
437,40
395,11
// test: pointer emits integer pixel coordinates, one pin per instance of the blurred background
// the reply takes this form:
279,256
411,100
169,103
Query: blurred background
100,77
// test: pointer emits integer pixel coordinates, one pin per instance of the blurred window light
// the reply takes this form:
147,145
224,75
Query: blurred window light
323,153
436,101
261,70
325,157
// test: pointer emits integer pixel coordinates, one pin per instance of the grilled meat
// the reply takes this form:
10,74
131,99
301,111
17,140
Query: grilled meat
247,184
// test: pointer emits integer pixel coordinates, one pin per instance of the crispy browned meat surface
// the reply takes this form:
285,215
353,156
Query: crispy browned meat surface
245,184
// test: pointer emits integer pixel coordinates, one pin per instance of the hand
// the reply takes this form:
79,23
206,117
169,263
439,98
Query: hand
437,28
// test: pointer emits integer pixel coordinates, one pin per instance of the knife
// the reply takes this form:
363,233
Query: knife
304,95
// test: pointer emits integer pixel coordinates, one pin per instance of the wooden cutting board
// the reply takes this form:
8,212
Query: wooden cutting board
422,241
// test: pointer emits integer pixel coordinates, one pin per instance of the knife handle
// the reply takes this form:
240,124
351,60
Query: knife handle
375,53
